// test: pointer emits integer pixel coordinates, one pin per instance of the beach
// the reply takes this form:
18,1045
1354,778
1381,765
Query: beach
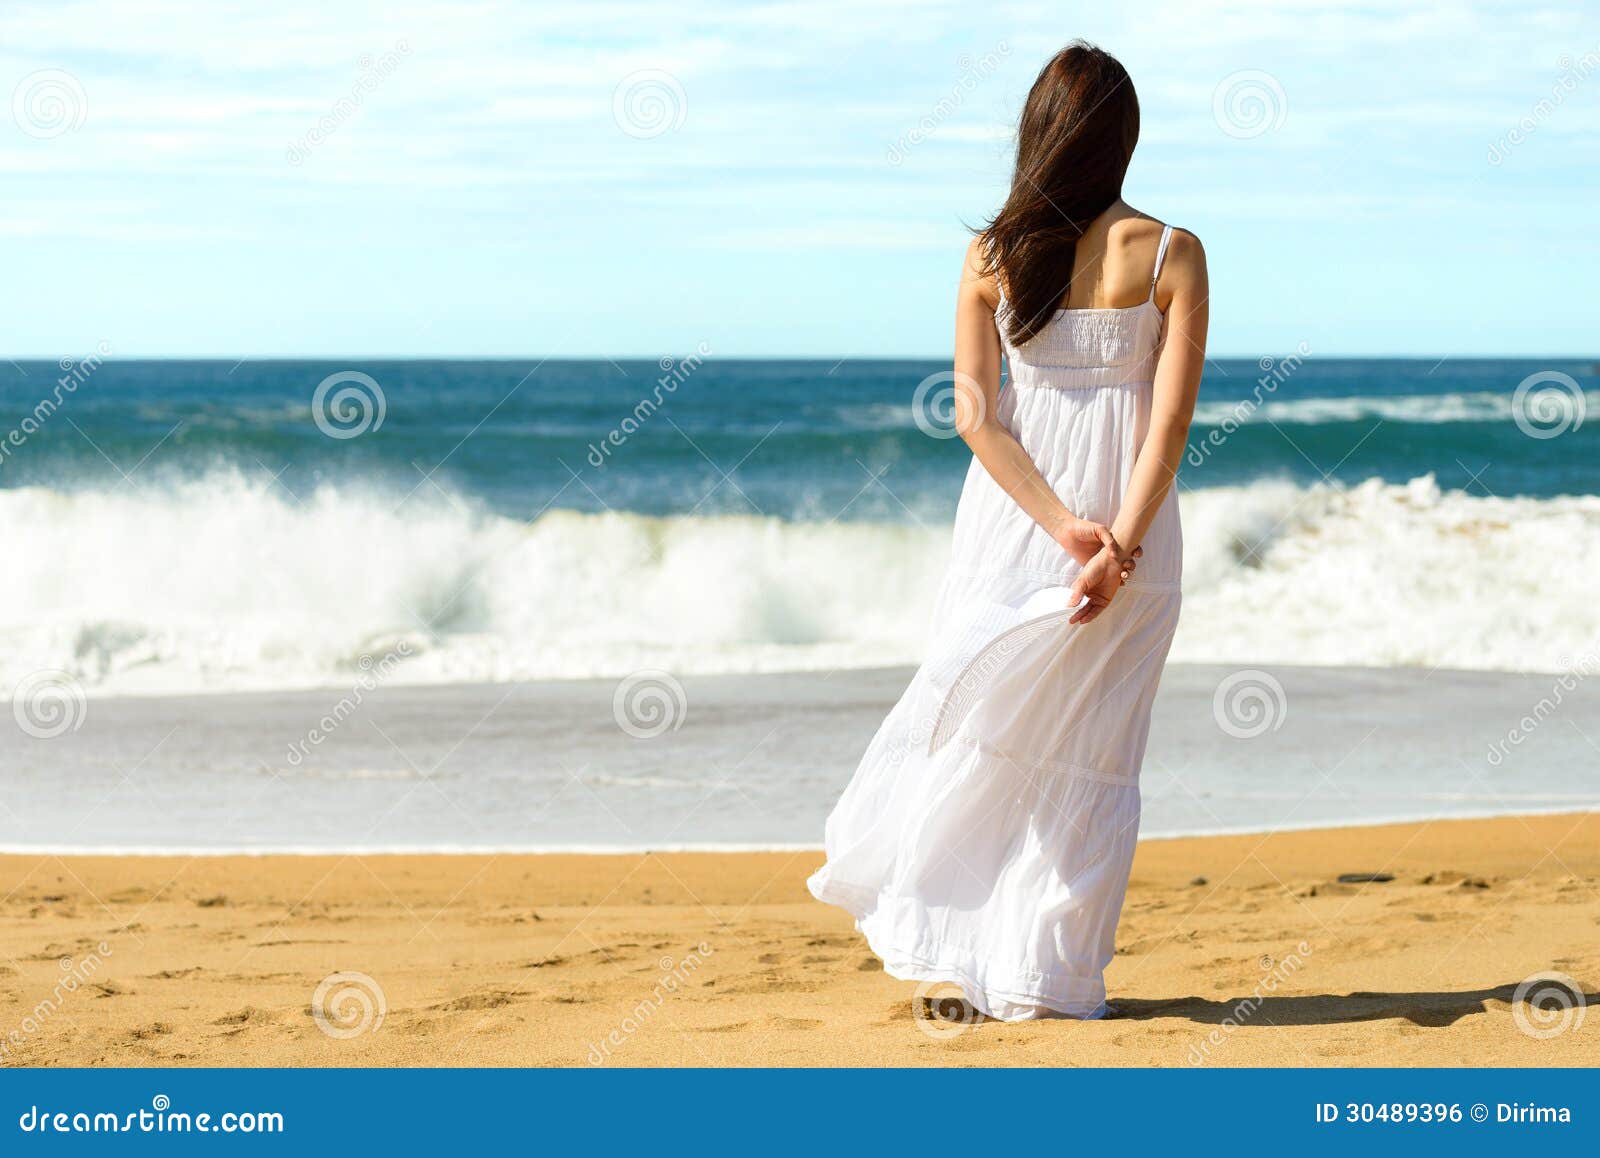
682,959
546,874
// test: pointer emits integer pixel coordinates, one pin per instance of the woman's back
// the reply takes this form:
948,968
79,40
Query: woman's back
1078,402
1110,342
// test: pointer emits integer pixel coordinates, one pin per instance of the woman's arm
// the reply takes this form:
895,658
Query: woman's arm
1177,382
977,386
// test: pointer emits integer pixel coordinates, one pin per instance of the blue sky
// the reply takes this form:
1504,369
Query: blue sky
799,189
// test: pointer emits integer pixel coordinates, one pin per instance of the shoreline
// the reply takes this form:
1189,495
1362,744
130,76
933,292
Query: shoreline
341,683
155,852
724,959
750,763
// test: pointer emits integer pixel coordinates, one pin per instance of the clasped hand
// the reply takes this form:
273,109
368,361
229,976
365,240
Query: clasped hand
1106,566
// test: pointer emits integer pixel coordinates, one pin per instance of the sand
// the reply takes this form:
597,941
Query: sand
723,959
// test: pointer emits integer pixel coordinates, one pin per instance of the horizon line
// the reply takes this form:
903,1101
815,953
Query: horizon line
18,359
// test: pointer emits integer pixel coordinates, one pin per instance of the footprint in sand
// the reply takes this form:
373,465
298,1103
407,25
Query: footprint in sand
901,1011
488,999
777,1022
1445,877
543,963
1149,1031
771,1021
269,944
521,917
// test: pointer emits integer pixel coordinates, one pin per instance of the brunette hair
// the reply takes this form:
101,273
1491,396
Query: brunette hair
1074,142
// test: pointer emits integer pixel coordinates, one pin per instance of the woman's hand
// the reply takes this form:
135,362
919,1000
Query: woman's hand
1083,539
1099,580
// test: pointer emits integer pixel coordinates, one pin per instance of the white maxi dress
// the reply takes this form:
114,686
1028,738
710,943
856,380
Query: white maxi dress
986,838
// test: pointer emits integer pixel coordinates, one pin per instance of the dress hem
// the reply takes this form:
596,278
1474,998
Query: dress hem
907,966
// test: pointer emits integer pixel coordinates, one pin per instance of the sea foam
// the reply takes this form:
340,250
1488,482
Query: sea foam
231,583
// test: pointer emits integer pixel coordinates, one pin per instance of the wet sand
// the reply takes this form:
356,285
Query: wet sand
752,761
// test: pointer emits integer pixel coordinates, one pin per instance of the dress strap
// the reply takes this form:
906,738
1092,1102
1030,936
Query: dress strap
1161,255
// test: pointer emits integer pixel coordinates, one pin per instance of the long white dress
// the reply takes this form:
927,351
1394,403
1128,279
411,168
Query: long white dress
987,836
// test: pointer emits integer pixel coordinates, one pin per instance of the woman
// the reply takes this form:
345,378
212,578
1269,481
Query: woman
987,836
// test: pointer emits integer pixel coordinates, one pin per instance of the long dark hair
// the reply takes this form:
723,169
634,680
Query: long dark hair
1074,143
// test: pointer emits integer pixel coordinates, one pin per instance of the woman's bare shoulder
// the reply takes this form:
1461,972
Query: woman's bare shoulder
1186,255
1143,232
977,277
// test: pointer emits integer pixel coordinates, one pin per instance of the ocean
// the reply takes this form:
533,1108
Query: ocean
342,606
191,526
